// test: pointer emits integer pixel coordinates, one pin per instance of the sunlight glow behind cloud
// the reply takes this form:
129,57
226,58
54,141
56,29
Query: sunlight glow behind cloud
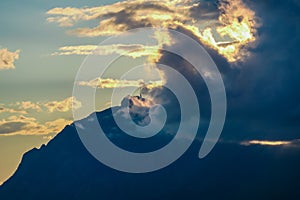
227,28
267,143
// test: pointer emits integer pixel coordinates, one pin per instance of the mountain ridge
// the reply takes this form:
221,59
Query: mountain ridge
64,169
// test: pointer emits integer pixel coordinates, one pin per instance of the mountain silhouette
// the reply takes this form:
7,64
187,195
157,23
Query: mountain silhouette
63,169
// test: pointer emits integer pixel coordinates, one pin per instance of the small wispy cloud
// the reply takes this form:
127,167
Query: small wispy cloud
117,83
28,105
4,109
8,58
63,106
288,143
25,107
130,50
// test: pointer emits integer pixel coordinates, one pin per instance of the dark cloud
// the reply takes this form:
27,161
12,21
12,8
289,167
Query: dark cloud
263,99
262,91
11,127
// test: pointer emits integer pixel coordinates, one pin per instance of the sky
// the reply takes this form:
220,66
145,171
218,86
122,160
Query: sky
43,44
33,75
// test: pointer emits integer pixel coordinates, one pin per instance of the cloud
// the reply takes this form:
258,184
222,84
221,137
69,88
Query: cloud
287,143
62,106
70,16
25,125
11,110
137,108
130,50
266,143
22,125
10,127
28,105
76,50
262,96
227,28
20,107
116,83
7,58
24,107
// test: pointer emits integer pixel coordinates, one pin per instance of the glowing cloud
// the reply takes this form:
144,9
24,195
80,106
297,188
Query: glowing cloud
226,28
8,58
132,50
75,50
115,83
267,143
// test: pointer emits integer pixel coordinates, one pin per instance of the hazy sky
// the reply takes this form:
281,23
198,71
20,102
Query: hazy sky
37,76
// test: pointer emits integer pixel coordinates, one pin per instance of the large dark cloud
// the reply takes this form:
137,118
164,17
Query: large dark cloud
263,96
262,91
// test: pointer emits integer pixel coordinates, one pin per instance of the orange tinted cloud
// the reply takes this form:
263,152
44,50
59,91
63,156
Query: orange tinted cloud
227,28
7,58
22,125
116,83
62,106
11,110
132,50
25,107
266,143
28,105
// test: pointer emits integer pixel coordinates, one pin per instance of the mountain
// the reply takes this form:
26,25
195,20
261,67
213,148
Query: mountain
63,169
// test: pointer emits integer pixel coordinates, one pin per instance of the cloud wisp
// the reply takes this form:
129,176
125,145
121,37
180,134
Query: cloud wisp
4,109
116,83
284,143
25,107
151,52
130,50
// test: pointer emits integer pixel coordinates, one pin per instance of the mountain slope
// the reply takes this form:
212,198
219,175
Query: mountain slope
63,169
